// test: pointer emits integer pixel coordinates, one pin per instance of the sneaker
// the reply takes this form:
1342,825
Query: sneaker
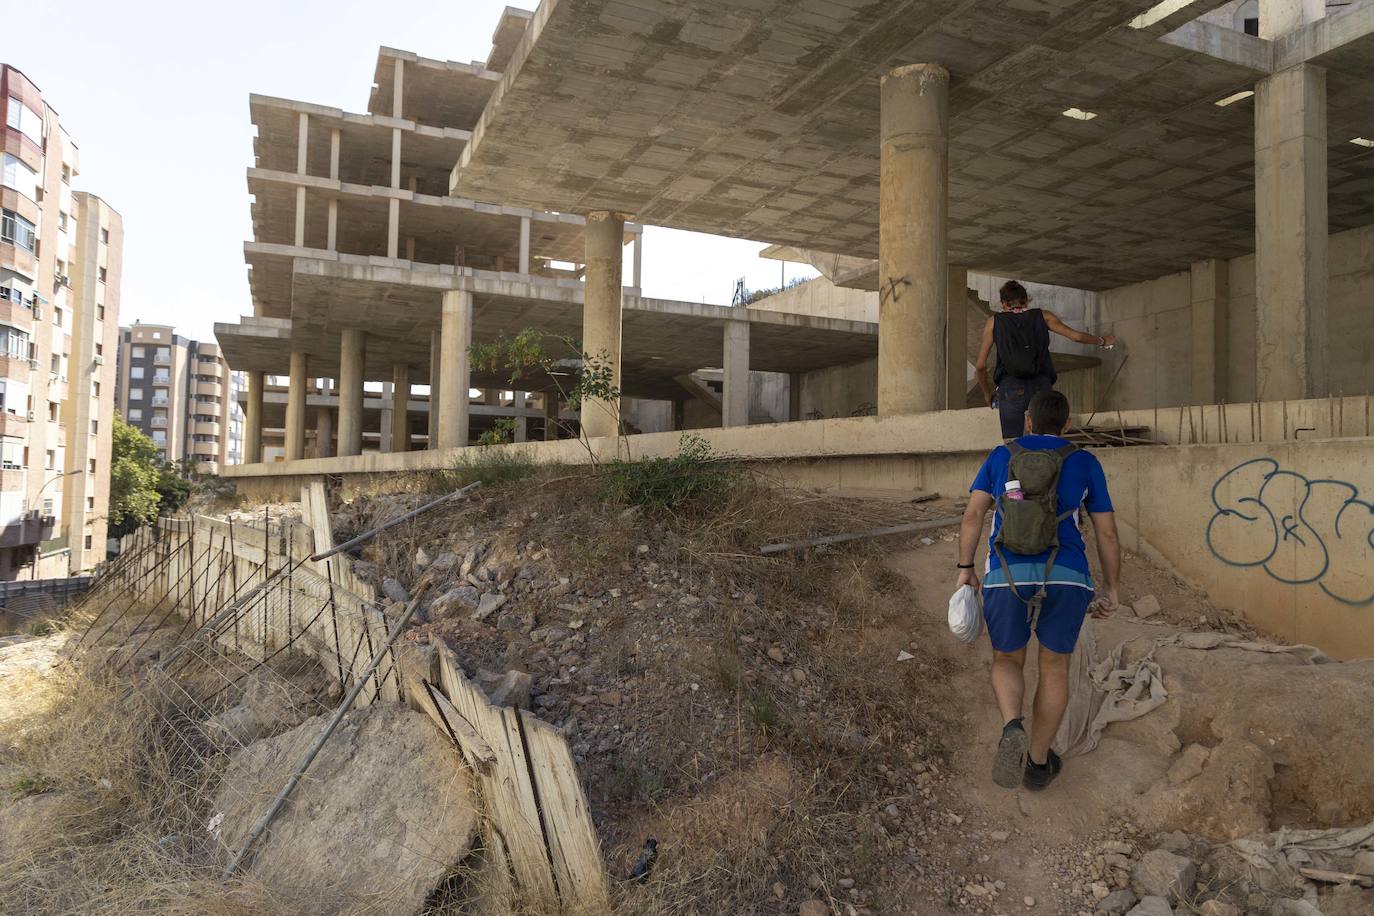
1011,752
1038,776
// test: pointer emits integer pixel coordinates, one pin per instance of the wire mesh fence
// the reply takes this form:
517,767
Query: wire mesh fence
228,635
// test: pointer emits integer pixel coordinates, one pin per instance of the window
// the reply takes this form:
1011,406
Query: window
159,437
25,120
62,222
99,313
135,413
95,389
11,453
95,427
104,236
52,411
99,349
48,505
14,173
14,343
102,275
66,173
88,542
140,353
90,506
92,465
49,459
135,394
135,372
157,335
17,231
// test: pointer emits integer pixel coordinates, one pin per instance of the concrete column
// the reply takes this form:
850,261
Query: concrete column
334,138
400,398
302,139
384,432
1211,301
524,244
435,359
333,242
393,227
956,340
252,421
410,248
550,416
601,306
397,88
295,408
912,265
324,432
454,374
794,387
639,260
1279,17
396,158
1291,235
352,355
734,401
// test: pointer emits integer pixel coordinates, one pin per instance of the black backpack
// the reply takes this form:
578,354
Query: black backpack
1022,339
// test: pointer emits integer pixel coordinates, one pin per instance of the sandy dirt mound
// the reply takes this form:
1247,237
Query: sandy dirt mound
384,812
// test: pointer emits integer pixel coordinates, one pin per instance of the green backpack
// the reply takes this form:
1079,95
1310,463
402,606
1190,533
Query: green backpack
1030,525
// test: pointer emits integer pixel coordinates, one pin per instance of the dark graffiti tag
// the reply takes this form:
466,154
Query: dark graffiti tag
1301,531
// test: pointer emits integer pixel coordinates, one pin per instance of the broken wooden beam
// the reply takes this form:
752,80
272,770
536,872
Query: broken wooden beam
910,528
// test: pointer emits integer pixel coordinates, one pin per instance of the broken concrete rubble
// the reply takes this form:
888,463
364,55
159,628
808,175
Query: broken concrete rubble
1163,874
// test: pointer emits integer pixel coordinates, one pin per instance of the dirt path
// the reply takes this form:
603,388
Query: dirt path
1036,843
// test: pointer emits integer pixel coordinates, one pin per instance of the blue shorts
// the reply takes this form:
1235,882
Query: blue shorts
1061,617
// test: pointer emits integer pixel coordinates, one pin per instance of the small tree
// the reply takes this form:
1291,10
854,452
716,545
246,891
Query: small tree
134,479
578,376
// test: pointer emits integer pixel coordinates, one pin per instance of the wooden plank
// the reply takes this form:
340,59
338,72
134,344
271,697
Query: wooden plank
508,790
451,722
576,850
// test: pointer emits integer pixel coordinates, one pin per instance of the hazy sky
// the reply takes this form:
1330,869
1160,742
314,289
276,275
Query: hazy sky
155,94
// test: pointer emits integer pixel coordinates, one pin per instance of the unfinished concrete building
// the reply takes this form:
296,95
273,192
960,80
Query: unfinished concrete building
1199,171
370,281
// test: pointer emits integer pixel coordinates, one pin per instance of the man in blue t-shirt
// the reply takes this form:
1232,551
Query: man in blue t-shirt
1068,592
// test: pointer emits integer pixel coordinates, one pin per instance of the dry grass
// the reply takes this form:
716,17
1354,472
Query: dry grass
103,829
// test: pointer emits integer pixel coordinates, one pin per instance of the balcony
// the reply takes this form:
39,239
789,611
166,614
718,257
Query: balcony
158,422
14,424
160,400
209,389
15,367
209,449
162,359
32,528
162,381
16,314
206,429
209,367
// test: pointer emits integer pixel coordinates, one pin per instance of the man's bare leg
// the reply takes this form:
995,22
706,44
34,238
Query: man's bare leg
1009,682
1051,699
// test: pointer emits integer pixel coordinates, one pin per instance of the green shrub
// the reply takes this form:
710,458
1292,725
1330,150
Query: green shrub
693,476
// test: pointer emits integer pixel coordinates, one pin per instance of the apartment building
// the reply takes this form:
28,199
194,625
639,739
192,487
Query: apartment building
60,257
182,394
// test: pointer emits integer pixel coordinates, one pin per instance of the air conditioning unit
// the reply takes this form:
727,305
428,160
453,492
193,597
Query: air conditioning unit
98,360
30,416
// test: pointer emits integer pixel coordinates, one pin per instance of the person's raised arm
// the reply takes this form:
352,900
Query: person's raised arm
970,533
1063,330
980,368
1109,554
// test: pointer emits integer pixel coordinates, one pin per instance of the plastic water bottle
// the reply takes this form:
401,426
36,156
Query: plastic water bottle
1014,490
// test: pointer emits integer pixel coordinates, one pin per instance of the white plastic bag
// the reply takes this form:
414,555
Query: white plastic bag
965,617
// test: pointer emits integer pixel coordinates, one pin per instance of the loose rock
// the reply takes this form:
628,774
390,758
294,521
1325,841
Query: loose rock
1164,875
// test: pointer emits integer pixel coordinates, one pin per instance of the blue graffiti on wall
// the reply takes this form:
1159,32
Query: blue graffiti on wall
1300,531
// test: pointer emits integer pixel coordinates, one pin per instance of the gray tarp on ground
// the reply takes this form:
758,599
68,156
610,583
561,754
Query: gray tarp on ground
1106,691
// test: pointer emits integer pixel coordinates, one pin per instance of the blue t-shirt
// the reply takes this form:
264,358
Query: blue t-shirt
1081,482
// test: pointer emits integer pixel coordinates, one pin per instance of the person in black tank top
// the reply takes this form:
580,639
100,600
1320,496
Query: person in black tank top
1021,336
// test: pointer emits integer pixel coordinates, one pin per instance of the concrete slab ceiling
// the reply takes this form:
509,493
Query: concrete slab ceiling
761,120
441,93
399,305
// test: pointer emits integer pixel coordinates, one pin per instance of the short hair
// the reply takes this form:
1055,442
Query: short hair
1014,292
1048,411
